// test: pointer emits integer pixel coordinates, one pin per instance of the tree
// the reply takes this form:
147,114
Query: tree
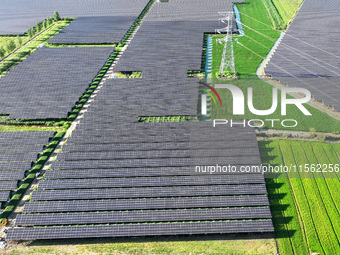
29,33
19,40
38,27
2,52
312,132
34,31
10,46
49,21
56,15
45,24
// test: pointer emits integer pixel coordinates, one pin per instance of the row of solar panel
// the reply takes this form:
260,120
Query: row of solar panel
96,172
143,216
149,139
150,181
146,163
222,227
215,152
25,135
81,146
100,29
8,185
213,190
146,203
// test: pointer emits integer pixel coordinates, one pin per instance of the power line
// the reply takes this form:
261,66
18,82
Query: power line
290,74
286,34
294,49
296,63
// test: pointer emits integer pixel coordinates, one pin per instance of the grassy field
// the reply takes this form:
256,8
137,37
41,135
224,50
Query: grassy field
246,64
305,206
5,39
9,128
24,51
287,8
152,245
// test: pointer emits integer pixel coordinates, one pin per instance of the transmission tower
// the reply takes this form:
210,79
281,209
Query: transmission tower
228,50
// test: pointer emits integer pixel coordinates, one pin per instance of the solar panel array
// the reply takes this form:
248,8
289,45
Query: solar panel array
308,55
18,16
102,29
116,176
49,82
15,161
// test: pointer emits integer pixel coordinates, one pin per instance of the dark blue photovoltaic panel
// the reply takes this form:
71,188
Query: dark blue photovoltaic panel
160,178
42,88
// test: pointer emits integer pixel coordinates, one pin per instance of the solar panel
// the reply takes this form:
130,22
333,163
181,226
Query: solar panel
55,86
11,175
114,169
96,29
8,185
4,196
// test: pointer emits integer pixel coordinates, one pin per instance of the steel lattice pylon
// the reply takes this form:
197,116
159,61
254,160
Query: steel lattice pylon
227,62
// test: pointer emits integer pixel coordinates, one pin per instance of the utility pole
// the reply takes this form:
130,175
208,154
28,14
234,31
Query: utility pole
227,62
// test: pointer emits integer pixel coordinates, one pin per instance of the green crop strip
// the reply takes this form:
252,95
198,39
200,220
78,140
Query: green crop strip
18,128
305,206
274,16
4,120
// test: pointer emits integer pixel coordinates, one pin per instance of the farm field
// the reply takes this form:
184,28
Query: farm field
305,206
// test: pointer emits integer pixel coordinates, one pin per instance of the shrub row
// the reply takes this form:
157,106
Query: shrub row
167,119
4,119
135,24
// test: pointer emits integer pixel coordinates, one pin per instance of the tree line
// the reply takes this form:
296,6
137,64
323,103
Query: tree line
12,44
